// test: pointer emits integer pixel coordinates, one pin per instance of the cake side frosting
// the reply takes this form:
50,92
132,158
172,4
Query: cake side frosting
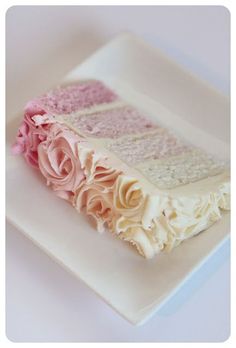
154,220
90,160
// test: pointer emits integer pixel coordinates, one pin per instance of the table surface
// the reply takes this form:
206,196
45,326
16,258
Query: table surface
44,302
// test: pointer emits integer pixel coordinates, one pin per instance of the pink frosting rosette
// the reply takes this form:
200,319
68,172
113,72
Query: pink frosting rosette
95,196
59,161
96,203
32,131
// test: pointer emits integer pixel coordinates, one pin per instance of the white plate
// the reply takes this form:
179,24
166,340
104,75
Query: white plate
133,286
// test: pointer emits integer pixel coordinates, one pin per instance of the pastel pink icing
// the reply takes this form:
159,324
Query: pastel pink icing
59,162
113,123
30,135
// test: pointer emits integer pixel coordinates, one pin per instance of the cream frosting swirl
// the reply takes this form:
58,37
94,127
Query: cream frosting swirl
95,194
32,131
59,161
138,216
185,217
128,197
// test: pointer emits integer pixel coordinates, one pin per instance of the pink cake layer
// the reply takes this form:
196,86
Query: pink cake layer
113,123
76,97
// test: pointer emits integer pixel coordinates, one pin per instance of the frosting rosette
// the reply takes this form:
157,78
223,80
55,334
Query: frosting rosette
139,238
138,218
59,162
186,217
95,195
31,133
148,241
129,198
96,202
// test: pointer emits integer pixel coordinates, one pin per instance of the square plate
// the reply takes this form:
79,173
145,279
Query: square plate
135,287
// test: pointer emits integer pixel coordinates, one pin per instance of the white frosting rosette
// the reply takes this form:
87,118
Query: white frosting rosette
186,217
137,221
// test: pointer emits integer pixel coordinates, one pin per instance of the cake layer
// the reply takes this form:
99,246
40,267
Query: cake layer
133,177
72,98
134,149
112,123
180,170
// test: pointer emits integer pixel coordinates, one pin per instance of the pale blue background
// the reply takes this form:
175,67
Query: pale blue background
44,303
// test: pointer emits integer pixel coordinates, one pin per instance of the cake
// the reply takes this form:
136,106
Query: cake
129,174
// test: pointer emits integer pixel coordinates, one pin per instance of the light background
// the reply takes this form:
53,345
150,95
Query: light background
44,303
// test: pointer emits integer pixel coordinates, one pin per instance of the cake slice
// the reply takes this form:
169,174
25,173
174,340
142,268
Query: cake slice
129,174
